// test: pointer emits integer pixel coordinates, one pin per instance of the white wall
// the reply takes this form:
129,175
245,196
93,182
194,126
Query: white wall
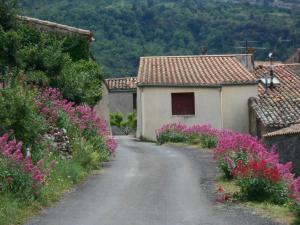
154,108
235,107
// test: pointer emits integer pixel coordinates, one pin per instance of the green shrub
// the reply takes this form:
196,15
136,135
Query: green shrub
116,119
227,168
260,189
18,113
76,47
14,180
37,78
175,137
296,211
208,141
81,82
8,10
46,55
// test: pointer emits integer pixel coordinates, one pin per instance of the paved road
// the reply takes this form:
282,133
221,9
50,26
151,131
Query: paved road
148,184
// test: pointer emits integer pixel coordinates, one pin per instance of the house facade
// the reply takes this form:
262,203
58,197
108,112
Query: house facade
193,89
122,94
275,107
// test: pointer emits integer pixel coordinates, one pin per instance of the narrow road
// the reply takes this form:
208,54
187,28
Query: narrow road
148,184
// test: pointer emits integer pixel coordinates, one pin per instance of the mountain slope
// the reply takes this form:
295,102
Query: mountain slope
127,29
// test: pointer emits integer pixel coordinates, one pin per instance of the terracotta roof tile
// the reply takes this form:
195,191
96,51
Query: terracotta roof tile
293,129
192,71
279,107
124,83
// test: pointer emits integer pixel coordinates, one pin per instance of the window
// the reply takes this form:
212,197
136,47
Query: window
183,104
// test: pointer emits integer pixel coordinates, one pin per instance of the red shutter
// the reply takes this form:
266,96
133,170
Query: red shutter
183,104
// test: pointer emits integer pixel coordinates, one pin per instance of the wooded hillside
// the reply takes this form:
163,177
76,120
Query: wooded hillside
125,30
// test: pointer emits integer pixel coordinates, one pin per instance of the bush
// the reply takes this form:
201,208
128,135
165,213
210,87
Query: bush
171,136
261,189
261,181
18,174
204,135
37,78
208,141
116,119
227,164
45,55
13,179
18,113
8,10
81,82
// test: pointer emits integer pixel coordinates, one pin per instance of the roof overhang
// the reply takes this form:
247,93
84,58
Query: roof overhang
197,85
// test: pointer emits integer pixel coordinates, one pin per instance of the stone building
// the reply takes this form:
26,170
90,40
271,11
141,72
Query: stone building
122,94
275,107
287,143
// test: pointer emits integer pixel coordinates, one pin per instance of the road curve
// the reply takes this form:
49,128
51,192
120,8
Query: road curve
148,184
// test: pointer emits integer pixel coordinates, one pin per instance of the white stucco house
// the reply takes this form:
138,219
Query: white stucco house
209,89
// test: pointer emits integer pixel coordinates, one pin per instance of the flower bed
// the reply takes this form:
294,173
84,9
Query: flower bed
243,158
205,135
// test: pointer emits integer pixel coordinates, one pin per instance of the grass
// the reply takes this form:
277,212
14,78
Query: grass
15,211
282,214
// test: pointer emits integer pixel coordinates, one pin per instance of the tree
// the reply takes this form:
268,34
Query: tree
8,10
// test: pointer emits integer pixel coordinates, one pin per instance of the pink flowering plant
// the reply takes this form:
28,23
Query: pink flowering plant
205,135
18,174
244,158
94,128
257,169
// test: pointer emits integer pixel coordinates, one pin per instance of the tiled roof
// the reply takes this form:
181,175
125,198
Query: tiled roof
124,83
279,107
266,63
214,70
293,129
47,25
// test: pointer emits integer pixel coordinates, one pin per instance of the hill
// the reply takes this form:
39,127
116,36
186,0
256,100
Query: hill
127,29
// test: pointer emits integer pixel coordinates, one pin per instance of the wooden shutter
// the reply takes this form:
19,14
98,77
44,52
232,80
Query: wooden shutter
183,103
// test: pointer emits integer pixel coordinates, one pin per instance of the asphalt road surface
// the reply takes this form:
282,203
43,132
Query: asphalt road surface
147,184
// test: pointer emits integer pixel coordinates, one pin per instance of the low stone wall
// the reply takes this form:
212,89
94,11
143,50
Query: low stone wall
288,147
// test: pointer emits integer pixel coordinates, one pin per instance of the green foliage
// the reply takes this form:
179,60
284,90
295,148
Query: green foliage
208,141
175,137
14,180
131,121
296,210
9,43
81,82
76,47
127,124
227,168
116,119
8,10
37,78
260,189
44,54
125,30
18,113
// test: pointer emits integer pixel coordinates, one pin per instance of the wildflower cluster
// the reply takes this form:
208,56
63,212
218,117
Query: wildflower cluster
244,158
18,173
257,169
206,135
51,101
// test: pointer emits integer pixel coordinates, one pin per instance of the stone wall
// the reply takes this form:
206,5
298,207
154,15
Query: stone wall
288,147
102,108
121,101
